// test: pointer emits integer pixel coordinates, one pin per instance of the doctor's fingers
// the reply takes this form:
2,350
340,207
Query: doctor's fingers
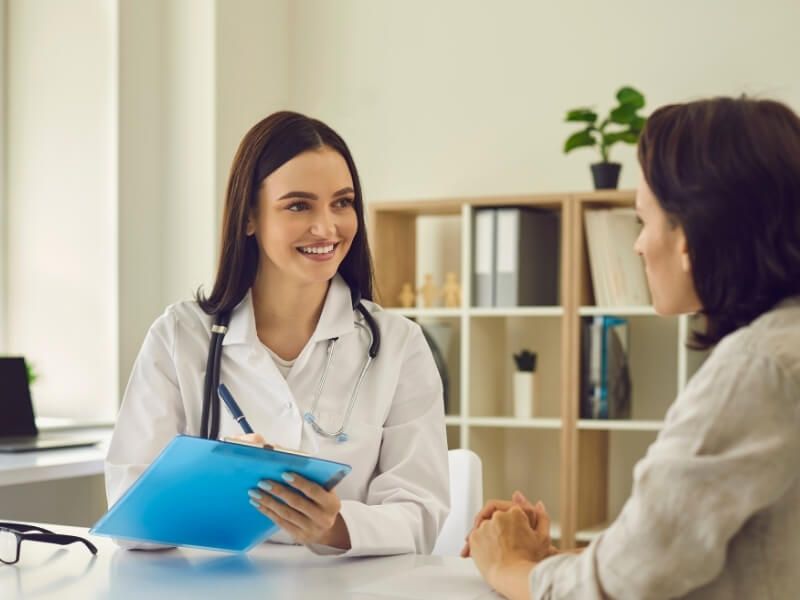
250,438
328,500
298,532
273,507
324,515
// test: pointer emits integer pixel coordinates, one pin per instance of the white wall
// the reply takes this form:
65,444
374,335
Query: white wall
189,147
453,97
252,73
467,97
3,228
61,204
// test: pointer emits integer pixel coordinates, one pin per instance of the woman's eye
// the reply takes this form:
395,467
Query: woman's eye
344,202
639,221
298,206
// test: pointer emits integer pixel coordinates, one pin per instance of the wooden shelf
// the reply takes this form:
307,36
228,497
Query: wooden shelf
620,425
518,311
428,313
580,468
535,423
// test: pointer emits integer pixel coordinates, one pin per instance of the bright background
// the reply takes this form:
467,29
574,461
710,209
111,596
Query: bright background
120,119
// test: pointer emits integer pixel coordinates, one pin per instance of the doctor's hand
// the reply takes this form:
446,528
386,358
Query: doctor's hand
505,548
250,438
306,510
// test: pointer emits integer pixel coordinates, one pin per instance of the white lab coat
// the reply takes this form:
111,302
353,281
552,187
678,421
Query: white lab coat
396,498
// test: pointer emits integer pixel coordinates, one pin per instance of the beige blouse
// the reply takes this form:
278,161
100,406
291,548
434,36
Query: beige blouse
715,506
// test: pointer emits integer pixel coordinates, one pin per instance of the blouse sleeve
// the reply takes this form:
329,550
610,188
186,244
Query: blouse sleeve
728,450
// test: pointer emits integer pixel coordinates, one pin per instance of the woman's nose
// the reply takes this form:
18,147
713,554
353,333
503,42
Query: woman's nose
323,225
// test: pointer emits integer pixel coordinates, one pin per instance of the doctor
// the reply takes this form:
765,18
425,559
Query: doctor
295,277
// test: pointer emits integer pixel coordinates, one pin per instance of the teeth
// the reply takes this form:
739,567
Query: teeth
318,249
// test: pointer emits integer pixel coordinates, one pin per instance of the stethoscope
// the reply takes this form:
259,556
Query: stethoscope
211,401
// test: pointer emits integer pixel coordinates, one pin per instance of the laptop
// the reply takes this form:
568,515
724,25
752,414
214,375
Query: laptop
18,432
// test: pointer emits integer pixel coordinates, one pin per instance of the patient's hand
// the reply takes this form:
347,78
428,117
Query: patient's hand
492,506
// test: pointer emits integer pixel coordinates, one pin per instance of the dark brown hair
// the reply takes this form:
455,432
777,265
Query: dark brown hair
727,170
269,144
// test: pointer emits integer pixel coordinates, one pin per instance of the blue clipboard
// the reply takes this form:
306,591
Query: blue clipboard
195,494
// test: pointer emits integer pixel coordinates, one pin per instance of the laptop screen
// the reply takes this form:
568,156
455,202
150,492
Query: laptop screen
16,408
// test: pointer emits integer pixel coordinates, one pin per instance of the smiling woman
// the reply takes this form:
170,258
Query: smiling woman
294,281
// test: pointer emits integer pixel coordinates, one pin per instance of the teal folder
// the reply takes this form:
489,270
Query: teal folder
195,494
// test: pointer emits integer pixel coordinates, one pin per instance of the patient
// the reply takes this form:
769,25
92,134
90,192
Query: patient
715,506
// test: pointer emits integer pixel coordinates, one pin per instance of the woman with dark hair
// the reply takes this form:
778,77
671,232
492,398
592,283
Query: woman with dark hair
289,327
715,506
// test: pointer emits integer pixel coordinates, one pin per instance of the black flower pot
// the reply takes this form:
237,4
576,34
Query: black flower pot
606,175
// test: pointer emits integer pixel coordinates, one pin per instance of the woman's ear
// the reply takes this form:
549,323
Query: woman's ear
686,264
250,229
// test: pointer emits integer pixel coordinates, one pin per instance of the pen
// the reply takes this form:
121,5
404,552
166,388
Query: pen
234,409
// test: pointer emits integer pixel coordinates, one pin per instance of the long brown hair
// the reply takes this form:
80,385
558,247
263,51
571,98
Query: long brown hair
269,144
728,171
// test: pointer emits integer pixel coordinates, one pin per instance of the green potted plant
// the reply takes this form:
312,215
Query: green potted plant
606,173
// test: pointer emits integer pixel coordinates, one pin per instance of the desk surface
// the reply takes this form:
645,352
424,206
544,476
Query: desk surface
60,463
46,571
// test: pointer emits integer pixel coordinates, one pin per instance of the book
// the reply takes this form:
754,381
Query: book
618,276
605,375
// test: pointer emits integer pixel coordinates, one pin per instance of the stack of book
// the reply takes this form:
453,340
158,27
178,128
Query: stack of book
516,257
605,376
617,271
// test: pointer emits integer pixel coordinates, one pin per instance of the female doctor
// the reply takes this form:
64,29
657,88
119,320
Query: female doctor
295,281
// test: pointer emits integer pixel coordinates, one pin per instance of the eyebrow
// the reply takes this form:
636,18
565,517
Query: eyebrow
309,196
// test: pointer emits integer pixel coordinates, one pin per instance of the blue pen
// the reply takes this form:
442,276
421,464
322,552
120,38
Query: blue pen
234,409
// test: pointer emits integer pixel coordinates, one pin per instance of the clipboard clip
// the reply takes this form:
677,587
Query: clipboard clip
274,447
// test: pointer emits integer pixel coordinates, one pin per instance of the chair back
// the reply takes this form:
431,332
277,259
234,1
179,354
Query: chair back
466,499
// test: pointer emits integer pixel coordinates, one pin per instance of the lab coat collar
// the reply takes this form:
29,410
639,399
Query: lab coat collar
336,318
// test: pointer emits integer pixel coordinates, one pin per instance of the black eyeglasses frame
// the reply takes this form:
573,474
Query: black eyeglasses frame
20,530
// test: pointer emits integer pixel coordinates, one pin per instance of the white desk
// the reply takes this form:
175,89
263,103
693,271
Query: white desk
59,463
62,485
46,571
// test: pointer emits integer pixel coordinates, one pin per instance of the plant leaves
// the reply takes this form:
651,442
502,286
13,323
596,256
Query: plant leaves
579,139
637,123
586,115
623,114
628,95
627,136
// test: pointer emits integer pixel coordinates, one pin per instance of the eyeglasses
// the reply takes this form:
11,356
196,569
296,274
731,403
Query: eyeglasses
13,534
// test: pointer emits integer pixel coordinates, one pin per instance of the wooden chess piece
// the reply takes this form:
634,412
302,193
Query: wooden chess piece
451,291
428,291
406,296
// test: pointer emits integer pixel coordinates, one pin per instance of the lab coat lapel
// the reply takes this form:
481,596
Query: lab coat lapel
335,320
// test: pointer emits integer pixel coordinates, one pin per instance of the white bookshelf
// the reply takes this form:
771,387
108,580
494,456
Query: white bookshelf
580,468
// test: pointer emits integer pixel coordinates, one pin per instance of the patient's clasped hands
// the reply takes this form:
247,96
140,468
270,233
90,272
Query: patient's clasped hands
509,537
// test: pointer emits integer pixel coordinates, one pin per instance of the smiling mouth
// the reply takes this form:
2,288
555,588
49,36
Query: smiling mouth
324,249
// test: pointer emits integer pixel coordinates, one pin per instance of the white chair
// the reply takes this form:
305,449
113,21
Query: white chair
466,499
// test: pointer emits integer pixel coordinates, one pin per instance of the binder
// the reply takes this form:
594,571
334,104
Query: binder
484,257
195,494
527,257
605,375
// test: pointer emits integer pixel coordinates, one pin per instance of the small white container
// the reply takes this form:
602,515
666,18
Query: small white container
524,394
